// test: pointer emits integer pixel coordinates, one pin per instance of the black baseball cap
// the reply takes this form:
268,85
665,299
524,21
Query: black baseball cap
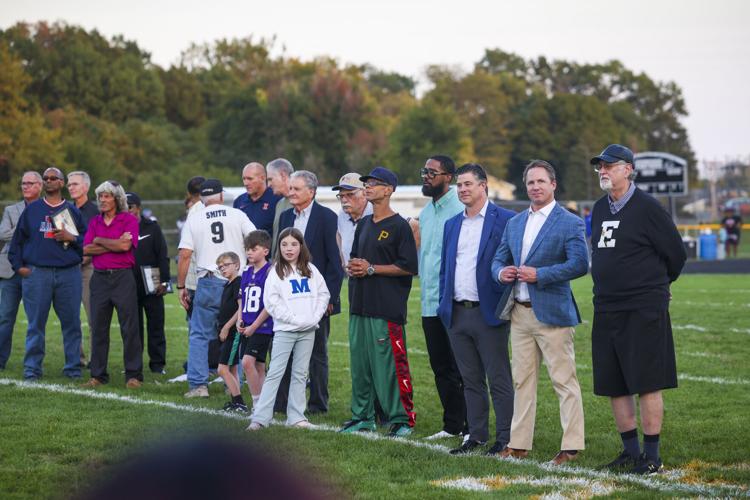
614,153
133,199
382,174
211,186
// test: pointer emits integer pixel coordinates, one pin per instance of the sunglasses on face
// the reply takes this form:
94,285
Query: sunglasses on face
51,178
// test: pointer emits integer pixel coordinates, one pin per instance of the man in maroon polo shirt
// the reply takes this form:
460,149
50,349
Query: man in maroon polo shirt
111,239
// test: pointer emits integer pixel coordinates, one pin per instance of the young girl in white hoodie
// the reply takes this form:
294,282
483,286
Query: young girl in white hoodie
296,297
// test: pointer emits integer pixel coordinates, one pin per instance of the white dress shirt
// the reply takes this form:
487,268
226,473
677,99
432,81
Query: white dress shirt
302,218
533,225
465,287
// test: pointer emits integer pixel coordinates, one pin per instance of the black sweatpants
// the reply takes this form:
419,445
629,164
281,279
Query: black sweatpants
153,308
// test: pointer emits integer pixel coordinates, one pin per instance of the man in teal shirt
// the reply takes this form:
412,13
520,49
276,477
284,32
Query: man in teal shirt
437,175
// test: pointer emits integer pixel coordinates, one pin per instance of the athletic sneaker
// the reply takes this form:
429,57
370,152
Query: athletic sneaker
400,430
199,392
358,426
646,466
304,424
620,464
441,435
255,426
468,446
497,448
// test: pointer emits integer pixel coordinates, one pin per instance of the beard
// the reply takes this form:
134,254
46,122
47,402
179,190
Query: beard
430,190
605,184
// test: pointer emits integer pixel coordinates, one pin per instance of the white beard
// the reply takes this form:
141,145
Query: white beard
605,184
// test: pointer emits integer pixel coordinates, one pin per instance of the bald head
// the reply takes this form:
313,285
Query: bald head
254,179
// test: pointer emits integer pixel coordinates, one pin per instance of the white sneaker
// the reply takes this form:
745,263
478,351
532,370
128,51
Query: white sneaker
255,426
199,392
304,424
440,435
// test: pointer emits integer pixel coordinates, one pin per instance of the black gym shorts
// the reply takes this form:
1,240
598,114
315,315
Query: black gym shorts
226,349
632,352
257,346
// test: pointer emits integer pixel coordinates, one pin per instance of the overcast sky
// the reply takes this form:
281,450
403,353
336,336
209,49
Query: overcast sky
703,46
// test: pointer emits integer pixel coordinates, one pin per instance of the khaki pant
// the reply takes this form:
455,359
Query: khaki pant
533,342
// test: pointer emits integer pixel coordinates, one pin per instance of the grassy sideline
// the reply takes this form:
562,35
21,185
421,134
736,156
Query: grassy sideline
55,444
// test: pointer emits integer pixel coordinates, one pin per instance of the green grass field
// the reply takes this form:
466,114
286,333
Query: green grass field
55,441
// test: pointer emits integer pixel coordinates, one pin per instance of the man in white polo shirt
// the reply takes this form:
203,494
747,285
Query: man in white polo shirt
209,232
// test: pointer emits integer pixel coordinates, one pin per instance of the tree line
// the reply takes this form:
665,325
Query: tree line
76,99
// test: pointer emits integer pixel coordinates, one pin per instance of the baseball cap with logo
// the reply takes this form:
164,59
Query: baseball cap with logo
349,181
614,153
211,187
133,199
382,174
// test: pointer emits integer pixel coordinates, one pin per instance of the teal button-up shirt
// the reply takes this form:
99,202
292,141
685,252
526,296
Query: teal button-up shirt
431,223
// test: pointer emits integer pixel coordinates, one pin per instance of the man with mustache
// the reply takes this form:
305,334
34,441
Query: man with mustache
636,253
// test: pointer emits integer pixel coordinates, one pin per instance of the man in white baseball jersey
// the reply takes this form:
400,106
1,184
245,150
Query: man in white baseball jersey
208,233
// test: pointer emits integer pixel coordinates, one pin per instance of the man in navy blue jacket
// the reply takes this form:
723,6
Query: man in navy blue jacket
319,225
468,297
49,261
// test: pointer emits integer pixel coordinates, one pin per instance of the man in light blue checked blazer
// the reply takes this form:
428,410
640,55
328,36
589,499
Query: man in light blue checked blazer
542,249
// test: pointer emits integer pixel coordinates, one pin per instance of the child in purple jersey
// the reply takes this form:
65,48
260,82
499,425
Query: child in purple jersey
255,324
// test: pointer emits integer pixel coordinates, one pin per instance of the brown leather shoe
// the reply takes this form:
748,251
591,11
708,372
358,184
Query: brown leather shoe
93,382
513,453
563,457
133,383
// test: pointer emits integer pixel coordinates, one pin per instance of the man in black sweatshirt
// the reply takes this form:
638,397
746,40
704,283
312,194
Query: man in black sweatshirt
151,254
636,253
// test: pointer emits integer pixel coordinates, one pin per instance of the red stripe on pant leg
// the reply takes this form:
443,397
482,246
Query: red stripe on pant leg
398,347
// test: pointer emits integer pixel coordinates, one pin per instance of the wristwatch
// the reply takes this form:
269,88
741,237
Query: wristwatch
370,270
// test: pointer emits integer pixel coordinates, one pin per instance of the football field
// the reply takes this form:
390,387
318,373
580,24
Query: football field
56,439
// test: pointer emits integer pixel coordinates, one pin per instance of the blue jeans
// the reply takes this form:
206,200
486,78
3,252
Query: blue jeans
10,298
203,328
60,288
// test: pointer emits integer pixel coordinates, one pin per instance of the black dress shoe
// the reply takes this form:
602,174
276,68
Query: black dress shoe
468,446
496,448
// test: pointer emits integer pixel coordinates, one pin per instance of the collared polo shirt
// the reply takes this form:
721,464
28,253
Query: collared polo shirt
431,223
261,211
123,222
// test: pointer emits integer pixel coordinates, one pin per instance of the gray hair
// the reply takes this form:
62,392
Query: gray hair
311,181
36,174
84,176
281,165
212,198
540,164
116,190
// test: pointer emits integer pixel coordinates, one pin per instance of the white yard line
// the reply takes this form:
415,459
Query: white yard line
713,380
664,483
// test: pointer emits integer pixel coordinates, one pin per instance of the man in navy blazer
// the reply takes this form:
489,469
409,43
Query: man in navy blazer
468,298
543,248
319,225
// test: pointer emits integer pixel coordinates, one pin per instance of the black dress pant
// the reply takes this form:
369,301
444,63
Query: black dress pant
318,373
153,308
114,289
448,381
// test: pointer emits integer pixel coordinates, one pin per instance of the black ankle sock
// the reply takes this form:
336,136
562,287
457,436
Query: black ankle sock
238,399
651,446
630,442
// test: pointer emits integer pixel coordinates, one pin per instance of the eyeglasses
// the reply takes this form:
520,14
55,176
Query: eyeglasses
608,167
26,184
431,174
346,196
370,184
226,264
51,178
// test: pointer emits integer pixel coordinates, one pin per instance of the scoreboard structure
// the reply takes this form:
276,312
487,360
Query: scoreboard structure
661,173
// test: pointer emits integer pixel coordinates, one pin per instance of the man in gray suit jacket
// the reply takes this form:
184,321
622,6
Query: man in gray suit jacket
542,249
10,282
